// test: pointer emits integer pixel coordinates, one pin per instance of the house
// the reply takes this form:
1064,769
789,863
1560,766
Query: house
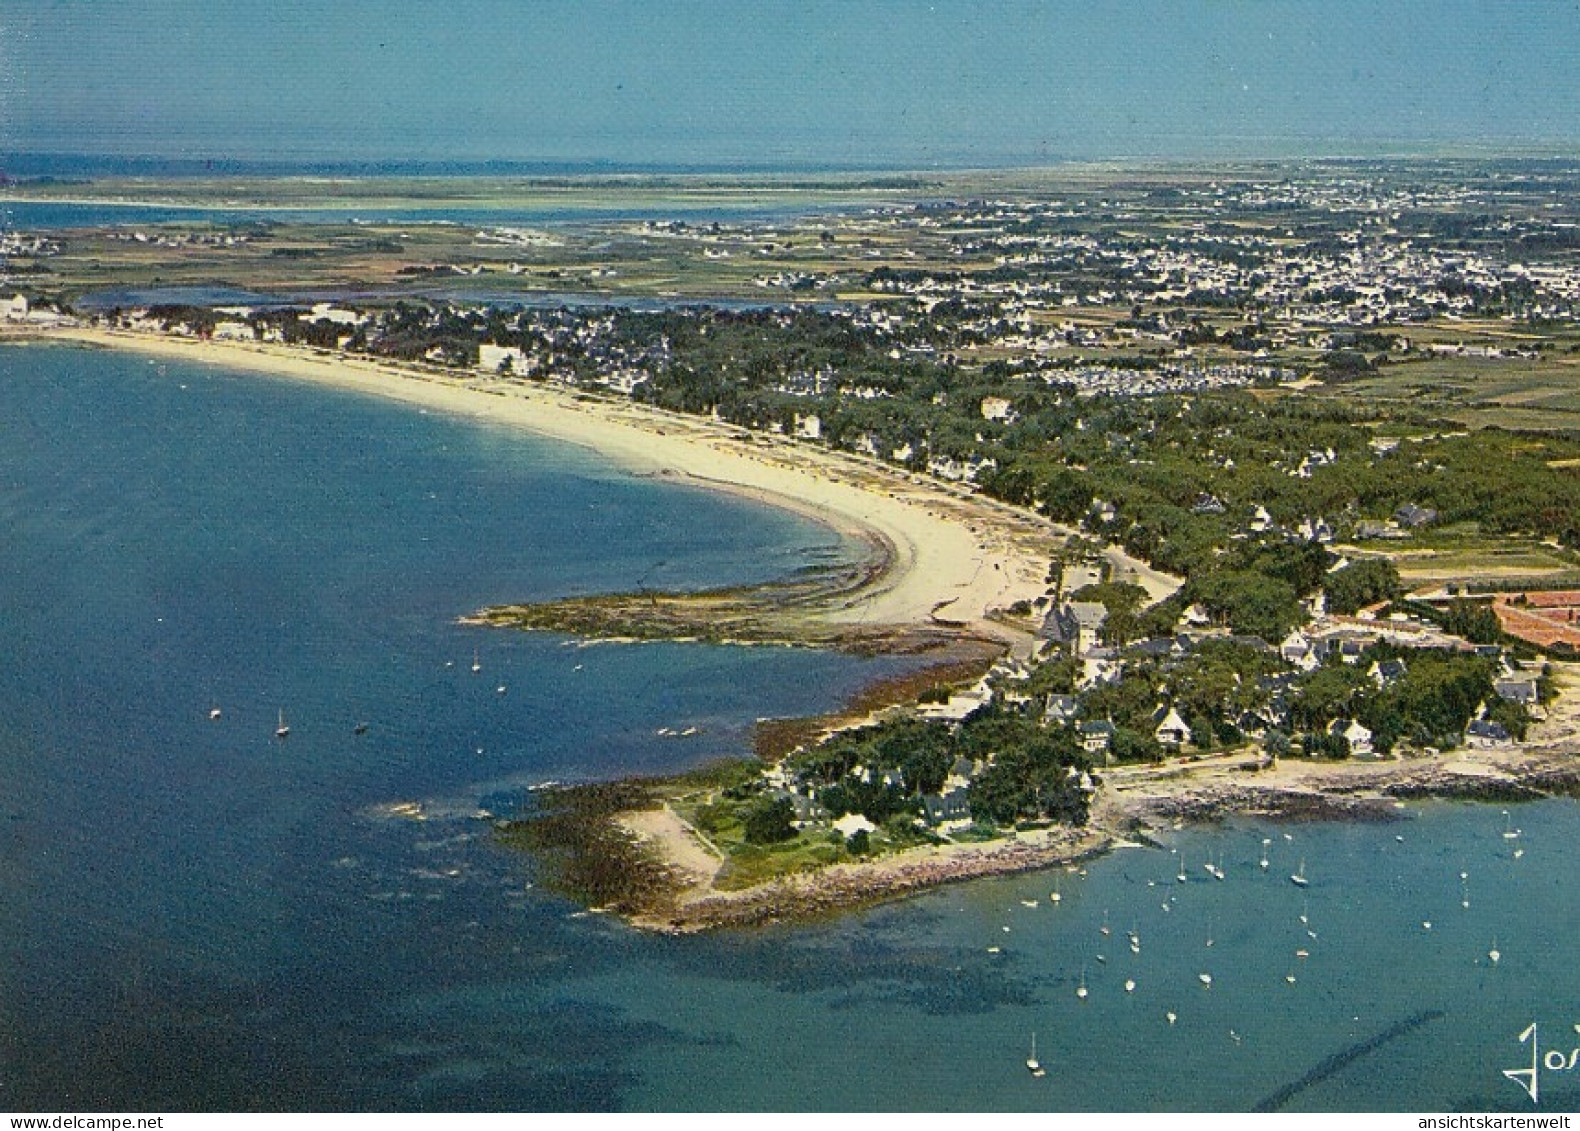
1061,709
1097,736
951,805
1208,504
1102,513
1386,673
1349,649
1157,647
1194,617
1482,733
808,426
1074,626
16,309
1171,729
1260,519
1297,650
1516,690
1412,516
996,408
806,809
1359,738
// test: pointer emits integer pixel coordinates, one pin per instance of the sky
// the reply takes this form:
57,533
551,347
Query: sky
853,83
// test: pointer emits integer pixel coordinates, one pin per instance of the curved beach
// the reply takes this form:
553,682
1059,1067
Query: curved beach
951,557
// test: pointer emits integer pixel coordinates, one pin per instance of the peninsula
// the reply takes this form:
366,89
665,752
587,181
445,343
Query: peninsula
1195,491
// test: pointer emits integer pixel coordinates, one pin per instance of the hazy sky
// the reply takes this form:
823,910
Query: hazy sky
844,81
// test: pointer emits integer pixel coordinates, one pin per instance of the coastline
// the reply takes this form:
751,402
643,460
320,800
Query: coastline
949,558
1135,807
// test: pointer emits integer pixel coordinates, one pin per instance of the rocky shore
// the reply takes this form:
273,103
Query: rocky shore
1133,808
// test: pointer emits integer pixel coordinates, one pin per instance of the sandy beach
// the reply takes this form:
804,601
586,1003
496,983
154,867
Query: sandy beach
953,557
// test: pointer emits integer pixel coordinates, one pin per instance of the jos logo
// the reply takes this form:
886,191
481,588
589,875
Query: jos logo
1556,1060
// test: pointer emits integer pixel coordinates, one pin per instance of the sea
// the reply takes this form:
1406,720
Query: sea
197,915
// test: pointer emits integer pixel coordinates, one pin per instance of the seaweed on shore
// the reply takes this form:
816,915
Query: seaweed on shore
586,855
795,610
963,661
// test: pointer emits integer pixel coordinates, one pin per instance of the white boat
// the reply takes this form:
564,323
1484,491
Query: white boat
1080,990
477,661
1033,1065
1299,878
282,729
1130,985
1205,979
214,712
1495,954
1181,877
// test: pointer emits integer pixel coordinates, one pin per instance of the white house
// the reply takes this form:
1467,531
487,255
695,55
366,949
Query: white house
1359,738
996,408
1171,728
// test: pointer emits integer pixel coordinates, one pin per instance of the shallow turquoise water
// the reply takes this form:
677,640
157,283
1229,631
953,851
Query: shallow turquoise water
196,915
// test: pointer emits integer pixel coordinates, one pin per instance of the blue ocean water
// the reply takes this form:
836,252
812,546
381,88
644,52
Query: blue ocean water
196,915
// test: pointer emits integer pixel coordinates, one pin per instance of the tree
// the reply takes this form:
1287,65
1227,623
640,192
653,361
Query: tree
770,821
1253,604
1360,584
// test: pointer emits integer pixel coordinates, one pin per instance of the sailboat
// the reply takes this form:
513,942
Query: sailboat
477,661
1299,878
282,730
1181,877
1033,1065
1080,991
1263,861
